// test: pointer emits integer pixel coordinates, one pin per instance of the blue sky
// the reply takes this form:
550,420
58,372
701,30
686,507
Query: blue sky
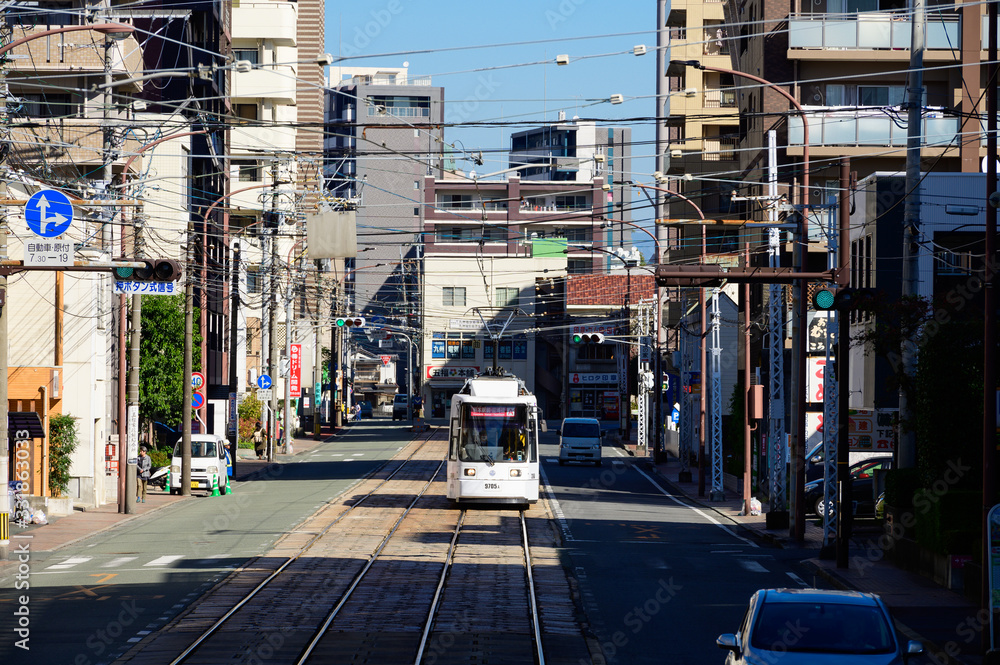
524,92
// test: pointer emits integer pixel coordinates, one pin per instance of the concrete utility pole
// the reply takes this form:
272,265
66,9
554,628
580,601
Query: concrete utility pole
234,314
188,351
907,453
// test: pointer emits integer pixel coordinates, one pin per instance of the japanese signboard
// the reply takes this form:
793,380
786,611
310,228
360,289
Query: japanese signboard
146,288
451,371
593,377
295,371
48,253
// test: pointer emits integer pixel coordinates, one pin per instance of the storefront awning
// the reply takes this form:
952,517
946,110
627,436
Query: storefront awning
19,421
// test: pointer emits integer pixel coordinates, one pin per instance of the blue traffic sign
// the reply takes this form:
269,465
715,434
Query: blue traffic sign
378,320
48,213
197,400
264,381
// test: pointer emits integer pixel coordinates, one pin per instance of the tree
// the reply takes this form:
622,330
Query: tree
161,364
62,443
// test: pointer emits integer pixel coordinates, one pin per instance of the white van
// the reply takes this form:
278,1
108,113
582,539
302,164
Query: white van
580,440
208,464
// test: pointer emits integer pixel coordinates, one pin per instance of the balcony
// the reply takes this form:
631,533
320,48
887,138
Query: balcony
72,141
720,98
81,52
272,21
869,128
276,83
876,31
256,138
720,149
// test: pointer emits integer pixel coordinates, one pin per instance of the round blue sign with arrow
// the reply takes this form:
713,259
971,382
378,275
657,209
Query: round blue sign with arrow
263,382
48,213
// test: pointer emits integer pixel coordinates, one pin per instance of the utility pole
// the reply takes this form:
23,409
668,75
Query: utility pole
188,352
288,358
907,453
234,317
272,365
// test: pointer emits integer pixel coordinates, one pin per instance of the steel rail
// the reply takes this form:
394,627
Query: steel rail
321,631
532,600
440,587
225,617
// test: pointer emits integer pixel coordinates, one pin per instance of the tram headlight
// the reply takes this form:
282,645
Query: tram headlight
470,472
515,473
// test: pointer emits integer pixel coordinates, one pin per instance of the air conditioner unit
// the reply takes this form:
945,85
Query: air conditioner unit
676,154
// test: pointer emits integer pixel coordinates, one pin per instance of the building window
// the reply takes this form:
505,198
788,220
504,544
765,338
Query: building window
571,203
579,266
505,350
506,296
453,296
520,349
454,201
251,54
454,345
437,348
469,346
248,170
49,105
400,106
255,279
246,111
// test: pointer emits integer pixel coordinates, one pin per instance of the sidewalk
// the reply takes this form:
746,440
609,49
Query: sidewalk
67,529
938,617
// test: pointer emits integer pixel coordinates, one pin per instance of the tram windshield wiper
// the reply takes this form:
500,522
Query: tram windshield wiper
486,458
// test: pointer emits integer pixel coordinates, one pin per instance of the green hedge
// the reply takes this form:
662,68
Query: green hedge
900,486
948,522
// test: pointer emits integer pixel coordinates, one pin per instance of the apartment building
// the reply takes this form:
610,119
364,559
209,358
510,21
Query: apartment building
384,136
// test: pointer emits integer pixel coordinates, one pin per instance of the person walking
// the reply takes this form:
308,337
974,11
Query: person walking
258,440
142,470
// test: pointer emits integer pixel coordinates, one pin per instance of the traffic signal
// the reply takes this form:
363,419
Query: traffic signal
154,270
351,322
826,298
588,338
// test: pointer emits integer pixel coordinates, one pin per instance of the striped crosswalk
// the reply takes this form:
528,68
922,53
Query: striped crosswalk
154,561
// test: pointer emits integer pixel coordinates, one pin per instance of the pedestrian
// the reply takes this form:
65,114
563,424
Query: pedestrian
142,475
258,440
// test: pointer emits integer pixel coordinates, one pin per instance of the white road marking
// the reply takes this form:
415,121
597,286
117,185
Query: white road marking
165,560
798,580
114,563
696,510
556,508
69,563
752,566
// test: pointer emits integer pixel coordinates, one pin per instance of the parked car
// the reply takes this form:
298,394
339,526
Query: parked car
399,403
580,440
209,462
365,410
793,626
815,460
865,489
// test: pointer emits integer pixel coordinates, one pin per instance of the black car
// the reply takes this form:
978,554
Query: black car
867,483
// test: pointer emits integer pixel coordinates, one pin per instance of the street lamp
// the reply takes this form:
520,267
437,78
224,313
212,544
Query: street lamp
799,341
114,31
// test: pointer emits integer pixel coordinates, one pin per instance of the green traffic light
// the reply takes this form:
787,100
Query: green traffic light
577,338
824,299
123,272
340,323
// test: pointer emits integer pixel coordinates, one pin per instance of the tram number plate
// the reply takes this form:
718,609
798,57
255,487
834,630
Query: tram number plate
491,486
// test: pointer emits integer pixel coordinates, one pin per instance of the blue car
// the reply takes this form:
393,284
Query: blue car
810,626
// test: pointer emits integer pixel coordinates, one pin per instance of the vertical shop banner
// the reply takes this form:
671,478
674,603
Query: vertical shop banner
295,371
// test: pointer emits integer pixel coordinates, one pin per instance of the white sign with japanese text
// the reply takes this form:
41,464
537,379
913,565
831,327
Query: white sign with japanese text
48,253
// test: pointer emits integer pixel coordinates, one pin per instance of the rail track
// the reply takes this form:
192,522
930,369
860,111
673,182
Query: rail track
396,576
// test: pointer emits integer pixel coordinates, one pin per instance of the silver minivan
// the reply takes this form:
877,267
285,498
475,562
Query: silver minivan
580,440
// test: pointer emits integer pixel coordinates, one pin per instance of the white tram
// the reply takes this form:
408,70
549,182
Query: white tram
493,442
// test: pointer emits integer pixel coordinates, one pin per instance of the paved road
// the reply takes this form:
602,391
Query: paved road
660,578
89,600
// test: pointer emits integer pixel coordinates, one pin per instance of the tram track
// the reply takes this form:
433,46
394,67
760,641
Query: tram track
398,576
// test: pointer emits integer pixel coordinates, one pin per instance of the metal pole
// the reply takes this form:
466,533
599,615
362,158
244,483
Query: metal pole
288,379
234,317
907,452
844,518
188,352
990,325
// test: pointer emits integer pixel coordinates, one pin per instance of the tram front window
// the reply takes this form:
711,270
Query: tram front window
495,434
